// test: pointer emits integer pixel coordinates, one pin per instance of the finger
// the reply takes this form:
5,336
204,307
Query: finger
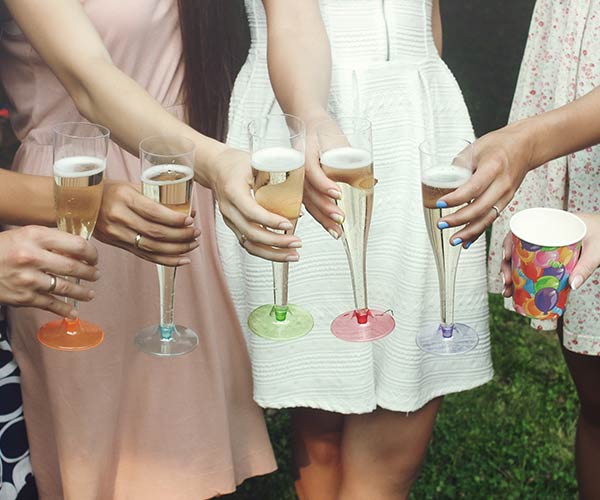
66,288
149,245
506,266
320,182
324,204
247,206
588,263
476,227
70,245
270,253
162,232
478,209
50,303
332,228
61,265
260,235
155,212
481,179
164,260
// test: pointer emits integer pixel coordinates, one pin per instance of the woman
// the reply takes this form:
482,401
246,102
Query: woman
112,422
549,148
362,413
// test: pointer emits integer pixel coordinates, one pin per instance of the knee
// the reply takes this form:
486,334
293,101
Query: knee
325,450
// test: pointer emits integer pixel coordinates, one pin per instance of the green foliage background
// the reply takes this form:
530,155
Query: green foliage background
512,438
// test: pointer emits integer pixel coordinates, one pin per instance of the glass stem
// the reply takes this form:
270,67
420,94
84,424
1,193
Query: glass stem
280,289
72,324
166,279
358,269
447,279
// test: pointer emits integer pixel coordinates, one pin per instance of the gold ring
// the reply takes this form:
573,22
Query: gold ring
497,210
52,286
136,243
243,239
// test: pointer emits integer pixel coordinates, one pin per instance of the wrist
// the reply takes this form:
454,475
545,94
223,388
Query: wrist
205,172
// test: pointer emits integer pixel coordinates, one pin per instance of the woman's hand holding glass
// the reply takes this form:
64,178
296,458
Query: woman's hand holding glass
231,182
165,235
33,261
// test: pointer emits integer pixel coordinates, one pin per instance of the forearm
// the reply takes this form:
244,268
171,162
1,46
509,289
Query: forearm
26,199
436,26
299,58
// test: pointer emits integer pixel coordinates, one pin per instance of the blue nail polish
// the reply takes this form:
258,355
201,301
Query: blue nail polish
441,204
468,245
442,225
456,241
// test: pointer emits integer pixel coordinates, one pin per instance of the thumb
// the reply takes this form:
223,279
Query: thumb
588,263
320,182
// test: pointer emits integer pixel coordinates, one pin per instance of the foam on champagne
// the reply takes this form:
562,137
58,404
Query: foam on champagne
149,175
277,159
79,166
450,177
346,158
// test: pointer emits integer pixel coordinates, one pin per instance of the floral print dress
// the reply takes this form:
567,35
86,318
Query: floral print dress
561,63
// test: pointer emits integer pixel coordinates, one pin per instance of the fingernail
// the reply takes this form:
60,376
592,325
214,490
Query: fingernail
441,204
576,283
188,221
183,262
292,258
503,281
91,294
197,233
194,245
333,234
456,241
337,218
503,254
334,193
73,314
442,224
468,245
295,244
286,226
96,275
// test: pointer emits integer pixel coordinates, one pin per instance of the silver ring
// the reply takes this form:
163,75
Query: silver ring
136,243
53,282
494,207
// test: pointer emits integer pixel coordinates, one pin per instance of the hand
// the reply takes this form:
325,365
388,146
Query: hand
166,235
231,182
506,266
320,191
590,253
31,255
501,160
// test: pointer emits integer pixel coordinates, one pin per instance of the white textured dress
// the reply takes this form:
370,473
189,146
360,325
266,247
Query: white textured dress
386,68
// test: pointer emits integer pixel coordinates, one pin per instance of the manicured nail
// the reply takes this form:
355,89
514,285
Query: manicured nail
183,262
197,233
442,224
337,218
441,204
188,221
91,294
333,234
576,283
286,226
292,258
295,244
456,241
96,275
468,245
335,194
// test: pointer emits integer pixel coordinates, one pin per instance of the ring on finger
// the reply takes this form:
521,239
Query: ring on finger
52,285
243,239
136,242
497,210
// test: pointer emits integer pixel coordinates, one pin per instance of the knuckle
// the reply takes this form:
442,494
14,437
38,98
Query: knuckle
25,298
24,257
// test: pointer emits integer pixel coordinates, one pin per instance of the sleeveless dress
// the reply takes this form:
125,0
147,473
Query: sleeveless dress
112,422
386,68
560,64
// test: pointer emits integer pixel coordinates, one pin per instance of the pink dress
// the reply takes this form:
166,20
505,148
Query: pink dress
112,422
561,63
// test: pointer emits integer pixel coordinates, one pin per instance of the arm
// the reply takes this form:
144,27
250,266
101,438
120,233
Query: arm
299,58
503,158
37,190
436,26
104,94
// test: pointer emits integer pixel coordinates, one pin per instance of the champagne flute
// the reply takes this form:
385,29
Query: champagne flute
345,149
277,145
79,150
167,178
446,164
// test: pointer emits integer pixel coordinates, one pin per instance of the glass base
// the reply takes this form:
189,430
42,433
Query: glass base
297,323
70,335
182,341
447,341
363,326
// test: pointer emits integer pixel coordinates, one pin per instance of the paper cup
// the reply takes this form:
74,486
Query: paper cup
545,250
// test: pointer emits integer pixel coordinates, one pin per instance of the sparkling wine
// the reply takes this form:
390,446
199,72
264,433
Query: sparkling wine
78,183
436,183
170,185
352,169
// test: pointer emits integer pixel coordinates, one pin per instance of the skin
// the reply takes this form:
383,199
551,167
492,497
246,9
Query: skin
376,455
104,94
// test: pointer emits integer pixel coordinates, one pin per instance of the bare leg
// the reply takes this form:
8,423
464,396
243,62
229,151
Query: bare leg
317,453
585,371
383,452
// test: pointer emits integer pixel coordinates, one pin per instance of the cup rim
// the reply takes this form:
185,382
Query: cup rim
251,127
103,132
190,144
548,241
